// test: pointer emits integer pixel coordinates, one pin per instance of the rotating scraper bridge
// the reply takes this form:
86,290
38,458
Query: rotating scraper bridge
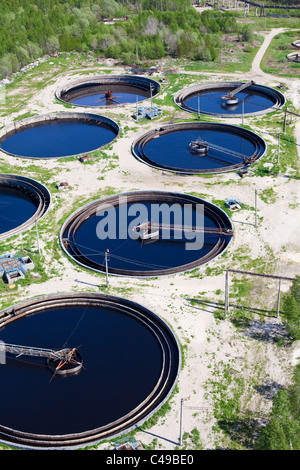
61,361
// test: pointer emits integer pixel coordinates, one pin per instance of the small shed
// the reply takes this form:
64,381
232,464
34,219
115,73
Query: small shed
62,185
85,158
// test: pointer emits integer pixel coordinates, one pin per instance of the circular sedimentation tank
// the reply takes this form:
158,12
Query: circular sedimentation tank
57,135
296,43
130,362
216,99
107,91
199,147
22,202
294,56
146,234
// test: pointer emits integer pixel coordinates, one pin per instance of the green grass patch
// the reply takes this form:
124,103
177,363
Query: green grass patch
275,59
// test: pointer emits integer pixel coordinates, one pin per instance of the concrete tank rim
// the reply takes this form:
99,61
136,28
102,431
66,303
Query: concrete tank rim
125,302
228,84
185,173
295,53
165,275
73,84
43,187
64,115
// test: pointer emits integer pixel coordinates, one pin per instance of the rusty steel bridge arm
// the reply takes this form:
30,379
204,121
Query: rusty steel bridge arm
34,351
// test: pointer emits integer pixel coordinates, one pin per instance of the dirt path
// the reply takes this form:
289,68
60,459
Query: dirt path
292,83
255,69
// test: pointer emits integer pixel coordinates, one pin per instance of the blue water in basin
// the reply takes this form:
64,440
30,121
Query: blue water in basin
171,150
137,255
211,102
58,139
15,209
122,361
94,95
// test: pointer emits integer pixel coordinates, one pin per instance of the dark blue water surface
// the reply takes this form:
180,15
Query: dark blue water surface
211,102
172,150
122,362
135,255
15,209
58,139
94,96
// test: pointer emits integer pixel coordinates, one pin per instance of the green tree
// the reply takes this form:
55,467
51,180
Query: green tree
273,437
68,43
5,66
295,395
295,289
282,432
291,309
247,34
51,45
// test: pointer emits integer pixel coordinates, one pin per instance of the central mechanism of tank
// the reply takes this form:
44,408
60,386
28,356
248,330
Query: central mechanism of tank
230,99
62,361
108,96
198,147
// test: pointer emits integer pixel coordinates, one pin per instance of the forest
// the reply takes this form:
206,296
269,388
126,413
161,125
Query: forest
151,29
282,432
148,30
